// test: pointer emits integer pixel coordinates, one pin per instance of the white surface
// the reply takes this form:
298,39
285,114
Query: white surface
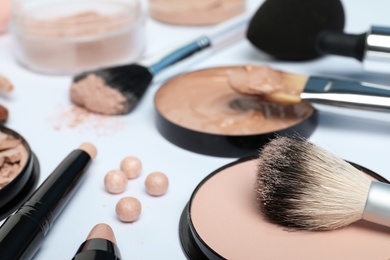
39,100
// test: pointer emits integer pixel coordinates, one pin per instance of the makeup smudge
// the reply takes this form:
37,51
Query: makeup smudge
76,118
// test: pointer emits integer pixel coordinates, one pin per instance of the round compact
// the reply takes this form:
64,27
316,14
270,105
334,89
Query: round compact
73,36
19,171
222,221
199,111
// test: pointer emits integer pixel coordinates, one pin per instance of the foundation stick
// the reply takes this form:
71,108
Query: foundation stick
23,232
100,244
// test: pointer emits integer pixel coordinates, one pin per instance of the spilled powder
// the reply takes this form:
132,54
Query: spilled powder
13,157
93,94
76,118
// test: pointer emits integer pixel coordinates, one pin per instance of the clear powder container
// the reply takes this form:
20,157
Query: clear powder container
72,36
4,14
195,12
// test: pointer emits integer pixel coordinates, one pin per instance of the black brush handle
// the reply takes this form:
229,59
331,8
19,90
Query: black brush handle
339,43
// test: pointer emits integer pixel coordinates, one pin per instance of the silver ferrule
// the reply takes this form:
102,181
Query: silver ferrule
349,94
377,53
377,209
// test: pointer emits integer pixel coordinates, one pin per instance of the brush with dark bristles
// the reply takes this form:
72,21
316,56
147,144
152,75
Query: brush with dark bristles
304,187
131,81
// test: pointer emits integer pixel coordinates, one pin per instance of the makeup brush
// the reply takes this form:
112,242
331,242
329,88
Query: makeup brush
287,30
302,186
279,86
305,29
117,90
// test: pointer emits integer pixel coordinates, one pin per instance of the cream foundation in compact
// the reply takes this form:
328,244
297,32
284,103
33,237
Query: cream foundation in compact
199,111
222,221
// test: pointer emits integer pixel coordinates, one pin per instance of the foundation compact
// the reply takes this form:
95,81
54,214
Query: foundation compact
19,171
222,221
199,111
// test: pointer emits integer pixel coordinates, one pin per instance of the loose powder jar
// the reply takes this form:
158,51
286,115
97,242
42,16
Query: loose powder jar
195,12
70,36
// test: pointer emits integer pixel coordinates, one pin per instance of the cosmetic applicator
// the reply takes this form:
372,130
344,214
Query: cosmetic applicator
287,30
100,244
302,186
303,30
23,232
131,81
284,87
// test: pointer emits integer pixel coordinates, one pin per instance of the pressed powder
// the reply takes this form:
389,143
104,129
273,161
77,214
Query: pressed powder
223,221
72,36
204,102
190,12
19,171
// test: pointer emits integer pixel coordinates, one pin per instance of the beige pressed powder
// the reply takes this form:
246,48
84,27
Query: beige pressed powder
224,214
204,101
201,112
13,158
200,12
72,36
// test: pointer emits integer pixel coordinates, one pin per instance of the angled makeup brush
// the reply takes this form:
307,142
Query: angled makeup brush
279,86
125,85
302,186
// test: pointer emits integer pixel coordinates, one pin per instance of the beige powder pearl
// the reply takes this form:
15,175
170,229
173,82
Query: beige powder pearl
115,181
156,183
131,166
128,209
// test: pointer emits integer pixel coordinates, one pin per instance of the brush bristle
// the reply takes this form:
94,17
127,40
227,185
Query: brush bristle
304,187
130,80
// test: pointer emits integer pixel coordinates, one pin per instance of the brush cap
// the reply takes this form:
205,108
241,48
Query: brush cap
377,209
287,30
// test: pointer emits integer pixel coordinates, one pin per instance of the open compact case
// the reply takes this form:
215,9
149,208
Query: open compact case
19,171
200,112
222,221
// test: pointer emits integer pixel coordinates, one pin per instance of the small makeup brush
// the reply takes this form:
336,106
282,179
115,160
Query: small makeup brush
302,186
129,82
279,86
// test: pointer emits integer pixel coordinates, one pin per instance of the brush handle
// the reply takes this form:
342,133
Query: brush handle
222,36
377,209
348,94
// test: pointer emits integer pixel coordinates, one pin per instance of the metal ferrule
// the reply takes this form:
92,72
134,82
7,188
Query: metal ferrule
377,53
349,94
377,209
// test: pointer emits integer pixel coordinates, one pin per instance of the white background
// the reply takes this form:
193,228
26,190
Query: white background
38,104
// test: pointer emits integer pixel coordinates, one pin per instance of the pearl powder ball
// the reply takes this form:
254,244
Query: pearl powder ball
128,209
156,183
115,181
131,166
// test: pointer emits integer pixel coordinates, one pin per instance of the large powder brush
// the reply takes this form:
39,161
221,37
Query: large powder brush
288,30
302,186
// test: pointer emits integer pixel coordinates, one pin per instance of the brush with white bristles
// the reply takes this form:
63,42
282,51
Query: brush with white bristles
302,186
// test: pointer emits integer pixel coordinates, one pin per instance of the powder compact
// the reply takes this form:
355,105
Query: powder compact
200,112
222,221
72,36
19,171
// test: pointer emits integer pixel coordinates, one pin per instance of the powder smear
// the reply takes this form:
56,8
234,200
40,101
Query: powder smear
76,118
